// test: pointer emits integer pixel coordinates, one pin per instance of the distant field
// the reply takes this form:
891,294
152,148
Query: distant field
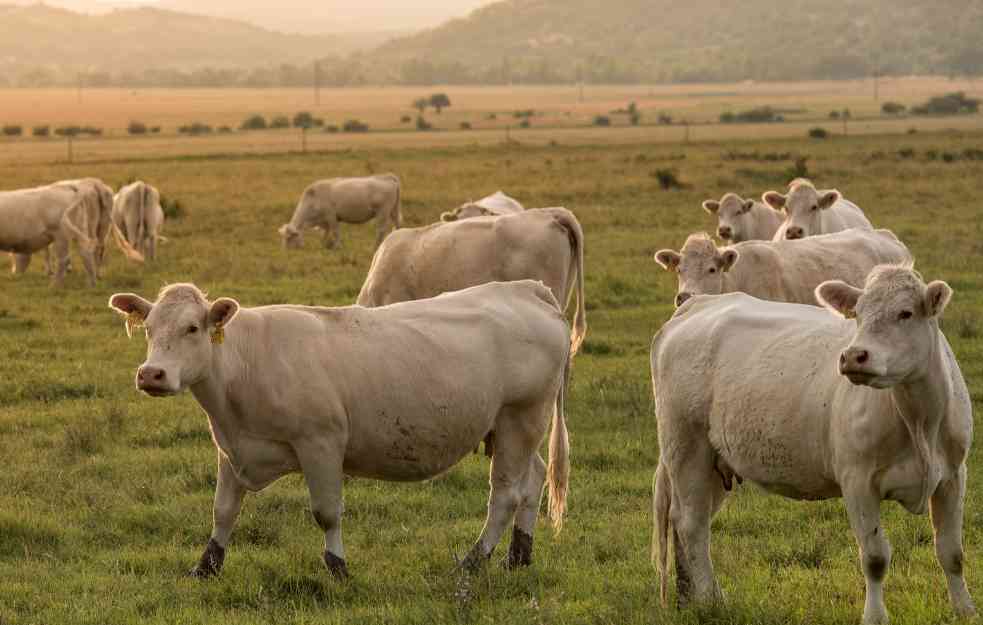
105,495
559,115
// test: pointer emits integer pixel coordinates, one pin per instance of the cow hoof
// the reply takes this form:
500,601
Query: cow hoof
336,566
475,560
211,561
520,551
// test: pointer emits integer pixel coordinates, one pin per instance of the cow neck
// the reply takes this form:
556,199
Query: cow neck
922,404
212,394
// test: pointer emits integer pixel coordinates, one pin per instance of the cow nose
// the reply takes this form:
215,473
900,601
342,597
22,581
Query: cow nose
723,232
793,233
150,376
853,358
681,298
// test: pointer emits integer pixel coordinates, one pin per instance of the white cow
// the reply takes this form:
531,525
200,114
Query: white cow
138,217
545,244
398,393
812,405
327,203
743,220
809,212
782,270
33,219
496,204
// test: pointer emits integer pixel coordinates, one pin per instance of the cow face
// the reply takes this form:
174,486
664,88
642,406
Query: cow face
732,216
183,331
803,208
292,237
897,324
699,267
466,211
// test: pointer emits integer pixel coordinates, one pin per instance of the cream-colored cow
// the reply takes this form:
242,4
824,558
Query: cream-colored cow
811,405
328,203
743,220
138,216
810,212
783,270
545,244
398,393
494,205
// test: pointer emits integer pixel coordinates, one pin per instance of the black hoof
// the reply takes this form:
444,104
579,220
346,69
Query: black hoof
475,560
211,561
520,551
336,566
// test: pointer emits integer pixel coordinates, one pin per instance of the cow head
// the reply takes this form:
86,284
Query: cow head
700,266
292,237
802,207
897,324
466,211
183,330
732,216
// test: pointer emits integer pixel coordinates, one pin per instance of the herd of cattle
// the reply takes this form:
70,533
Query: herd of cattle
805,355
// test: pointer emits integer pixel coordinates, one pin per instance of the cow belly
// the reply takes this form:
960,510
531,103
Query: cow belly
26,245
259,462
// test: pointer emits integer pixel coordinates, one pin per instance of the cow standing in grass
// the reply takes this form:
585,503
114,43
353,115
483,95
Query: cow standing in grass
398,393
867,403
743,220
494,205
810,212
138,217
328,203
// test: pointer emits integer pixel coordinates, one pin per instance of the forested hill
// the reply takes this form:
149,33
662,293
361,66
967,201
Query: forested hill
705,40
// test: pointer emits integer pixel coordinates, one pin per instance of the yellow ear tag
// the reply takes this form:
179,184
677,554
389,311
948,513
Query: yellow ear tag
850,314
218,336
133,320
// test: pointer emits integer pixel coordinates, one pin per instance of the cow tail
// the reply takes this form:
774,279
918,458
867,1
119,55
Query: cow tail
84,240
558,471
124,246
661,503
576,234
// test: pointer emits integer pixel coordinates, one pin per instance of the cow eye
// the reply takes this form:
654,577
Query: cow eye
713,270
815,207
192,329
904,314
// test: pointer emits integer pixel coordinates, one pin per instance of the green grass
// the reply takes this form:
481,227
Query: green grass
105,495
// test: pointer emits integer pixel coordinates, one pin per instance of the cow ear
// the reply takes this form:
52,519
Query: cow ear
828,198
711,206
133,307
748,205
668,259
728,258
448,216
222,312
937,296
839,297
774,199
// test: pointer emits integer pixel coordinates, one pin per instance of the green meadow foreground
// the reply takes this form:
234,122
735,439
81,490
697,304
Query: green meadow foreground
106,495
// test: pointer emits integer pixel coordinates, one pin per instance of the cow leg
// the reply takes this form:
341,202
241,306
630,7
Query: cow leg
947,518
518,433
864,509
229,493
21,262
697,492
332,233
89,262
60,247
322,464
520,550
383,228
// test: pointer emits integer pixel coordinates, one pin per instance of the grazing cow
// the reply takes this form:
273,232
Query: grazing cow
812,405
783,270
495,205
138,217
33,219
545,244
809,212
398,393
743,220
327,203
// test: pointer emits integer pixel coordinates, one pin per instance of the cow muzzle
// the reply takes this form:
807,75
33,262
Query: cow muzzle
724,232
154,381
794,232
681,298
856,364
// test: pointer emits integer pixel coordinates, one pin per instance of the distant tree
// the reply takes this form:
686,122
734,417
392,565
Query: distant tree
254,122
421,105
137,128
834,114
422,124
665,119
303,120
280,121
439,101
893,108
41,131
465,125
405,119
602,120
818,133
354,125
13,130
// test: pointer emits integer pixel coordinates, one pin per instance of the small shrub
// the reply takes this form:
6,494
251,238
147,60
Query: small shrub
13,130
41,131
331,128
224,130
948,157
491,117
280,121
422,124
465,125
92,131
254,122
818,133
727,117
68,131
155,130
137,128
834,114
665,119
634,118
893,108
173,209
303,120
354,125
973,154
405,119
602,120
667,179
752,116
931,155
525,123
523,114
195,129
906,153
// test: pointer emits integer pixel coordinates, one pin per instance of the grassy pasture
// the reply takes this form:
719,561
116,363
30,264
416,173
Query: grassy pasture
105,497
